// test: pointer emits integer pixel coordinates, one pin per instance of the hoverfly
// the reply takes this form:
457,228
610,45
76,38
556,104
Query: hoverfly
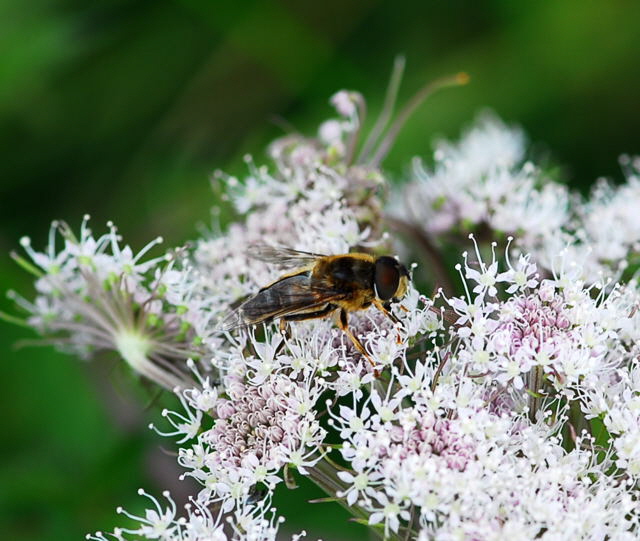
320,286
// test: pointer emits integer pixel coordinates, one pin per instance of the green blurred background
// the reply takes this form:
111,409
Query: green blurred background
122,109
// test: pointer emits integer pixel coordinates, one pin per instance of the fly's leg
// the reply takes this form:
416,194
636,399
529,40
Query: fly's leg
385,310
284,328
284,325
391,316
285,333
343,323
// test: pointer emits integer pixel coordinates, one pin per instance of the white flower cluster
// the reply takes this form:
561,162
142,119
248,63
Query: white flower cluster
259,428
507,408
608,226
266,411
483,184
448,450
573,332
94,294
484,180
199,524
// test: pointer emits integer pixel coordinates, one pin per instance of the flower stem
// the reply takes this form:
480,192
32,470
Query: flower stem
433,254
410,107
535,384
387,109
14,320
323,474
134,349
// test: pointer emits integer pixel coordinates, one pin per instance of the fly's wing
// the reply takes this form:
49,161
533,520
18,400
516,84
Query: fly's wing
290,295
282,256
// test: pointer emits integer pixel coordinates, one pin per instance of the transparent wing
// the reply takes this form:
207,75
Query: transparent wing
290,295
282,256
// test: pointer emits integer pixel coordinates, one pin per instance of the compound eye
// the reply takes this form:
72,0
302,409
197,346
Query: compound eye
387,277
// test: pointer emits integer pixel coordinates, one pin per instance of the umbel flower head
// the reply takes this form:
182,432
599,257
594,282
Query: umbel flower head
485,180
94,294
504,405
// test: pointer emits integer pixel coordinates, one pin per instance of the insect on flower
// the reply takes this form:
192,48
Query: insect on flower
320,286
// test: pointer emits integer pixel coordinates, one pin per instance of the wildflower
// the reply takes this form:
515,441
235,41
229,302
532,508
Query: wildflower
606,234
483,180
257,429
94,294
251,522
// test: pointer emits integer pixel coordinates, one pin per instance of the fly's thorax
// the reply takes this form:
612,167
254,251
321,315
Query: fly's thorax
349,272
